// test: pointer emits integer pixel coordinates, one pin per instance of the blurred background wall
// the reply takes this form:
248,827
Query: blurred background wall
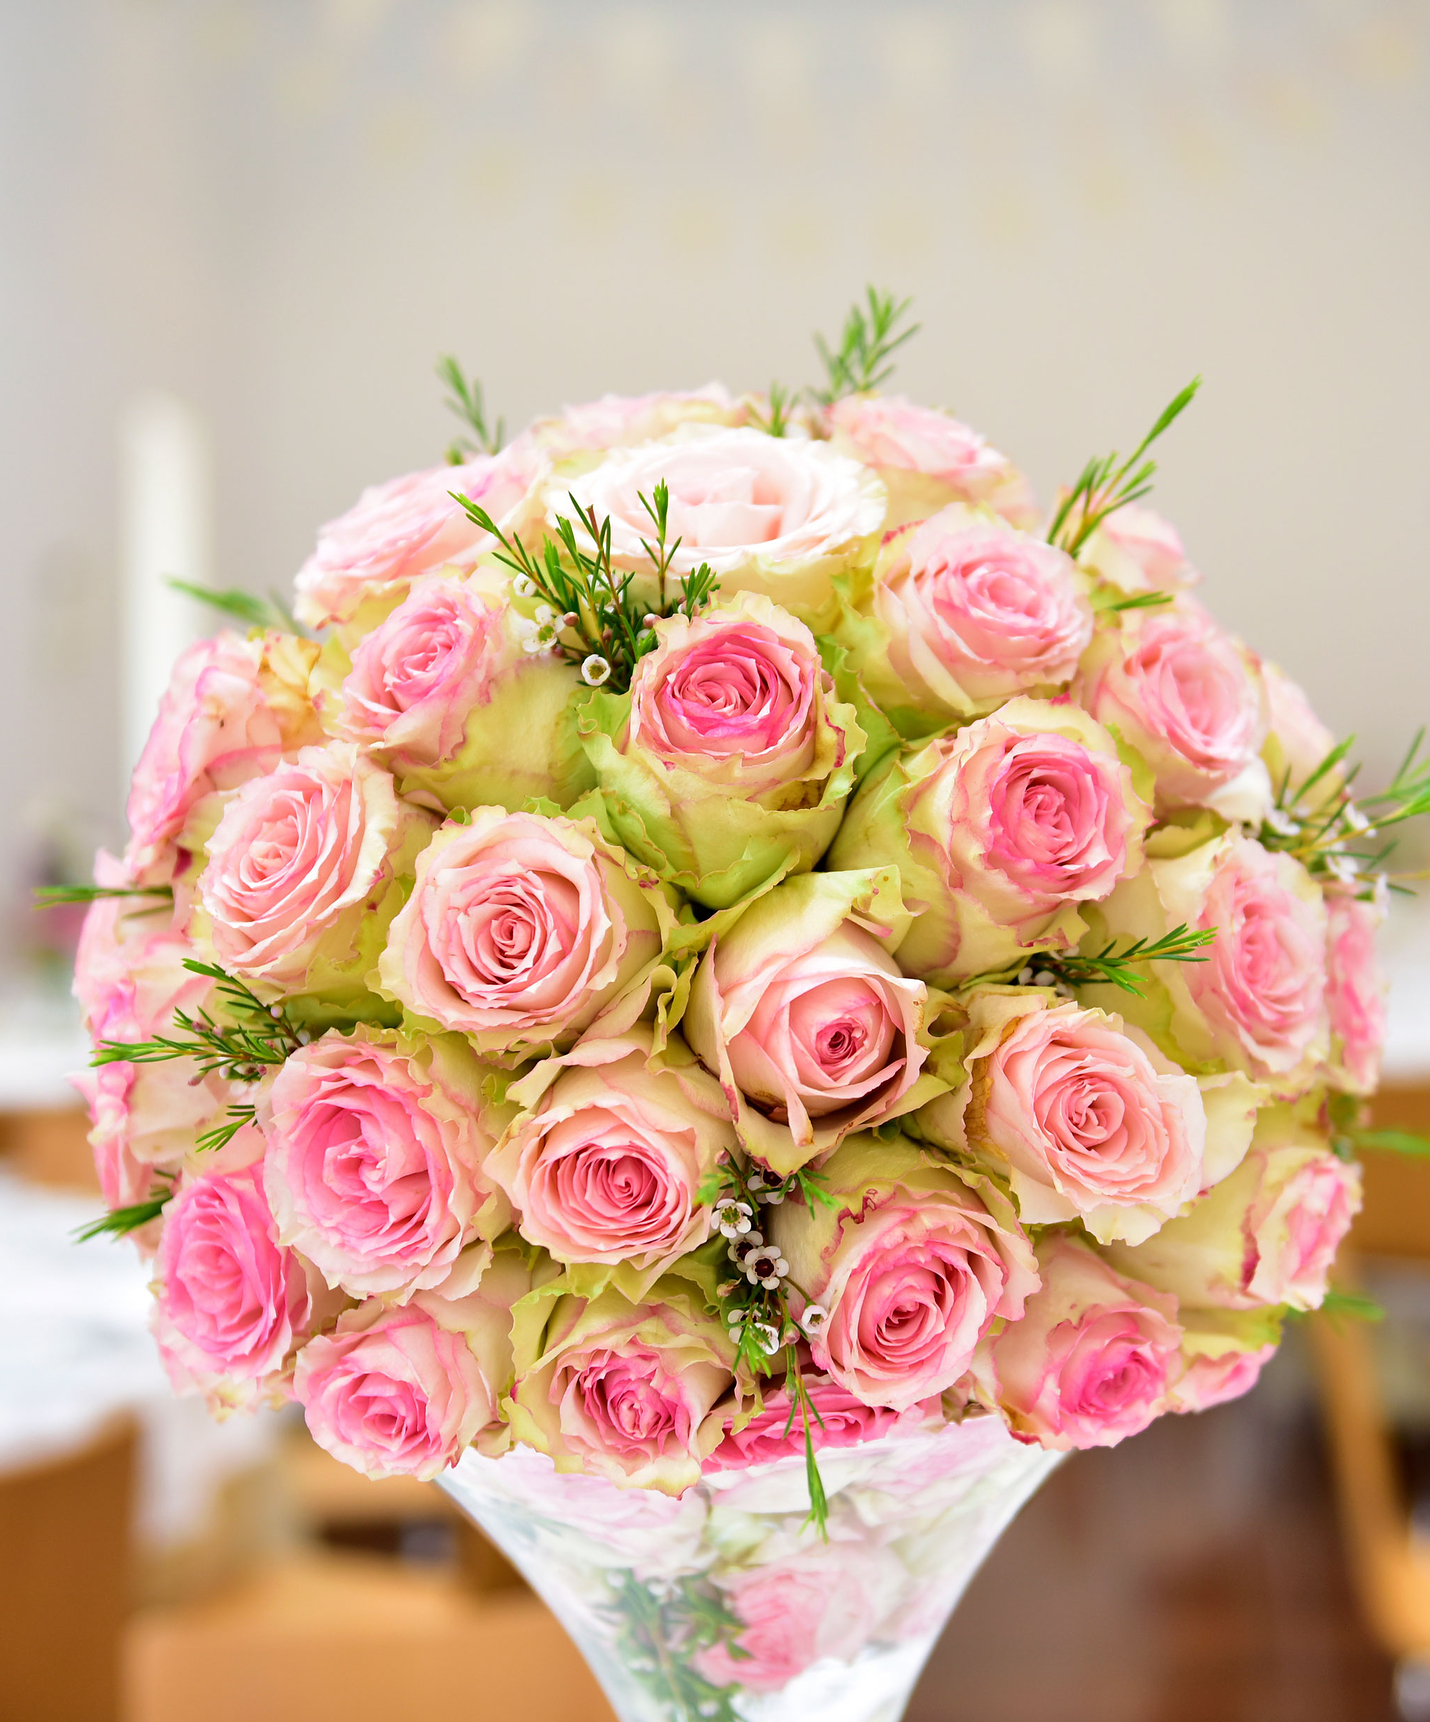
282,210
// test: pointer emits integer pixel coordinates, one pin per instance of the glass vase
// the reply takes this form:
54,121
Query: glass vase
726,1604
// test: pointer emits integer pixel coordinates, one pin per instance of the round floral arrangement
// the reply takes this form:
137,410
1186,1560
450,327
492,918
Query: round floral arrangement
719,929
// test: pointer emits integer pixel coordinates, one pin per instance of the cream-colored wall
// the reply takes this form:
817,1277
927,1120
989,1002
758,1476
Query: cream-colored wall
283,211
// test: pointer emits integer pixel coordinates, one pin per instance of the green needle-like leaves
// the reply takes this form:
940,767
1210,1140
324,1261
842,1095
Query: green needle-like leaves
464,398
861,361
1108,484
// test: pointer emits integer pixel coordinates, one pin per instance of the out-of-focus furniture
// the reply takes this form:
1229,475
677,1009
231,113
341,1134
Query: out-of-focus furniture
49,1145
62,1618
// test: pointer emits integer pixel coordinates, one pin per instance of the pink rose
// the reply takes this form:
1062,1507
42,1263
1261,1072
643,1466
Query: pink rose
521,930
804,1016
999,831
1094,1356
843,1421
1138,551
1297,740
408,526
1224,1352
1182,693
914,1265
965,612
769,514
617,421
624,1390
375,1160
305,870
1085,1119
730,757
400,1391
1266,1235
927,459
232,709
792,1613
608,1163
1355,992
232,1303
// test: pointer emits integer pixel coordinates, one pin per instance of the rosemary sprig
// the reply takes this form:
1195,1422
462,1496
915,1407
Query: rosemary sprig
258,1037
1105,484
464,398
48,896
1106,601
1111,965
241,606
777,421
661,1624
866,345
119,1222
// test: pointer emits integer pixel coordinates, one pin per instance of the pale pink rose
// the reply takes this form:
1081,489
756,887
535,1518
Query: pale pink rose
397,1392
1213,1380
999,831
806,1019
623,1390
1297,741
1088,1121
520,930
232,1304
1183,693
969,612
906,443
769,514
418,675
1266,1235
305,867
914,1265
375,1167
124,1177
617,421
793,1613
608,1164
1094,1356
1139,551
1355,992
842,1421
144,1119
222,720
129,974
409,526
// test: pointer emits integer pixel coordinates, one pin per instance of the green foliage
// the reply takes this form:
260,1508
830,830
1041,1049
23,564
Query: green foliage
1111,966
241,606
1392,1142
1107,602
1107,484
256,1037
1339,1304
119,1222
777,421
660,1629
49,896
861,361
464,398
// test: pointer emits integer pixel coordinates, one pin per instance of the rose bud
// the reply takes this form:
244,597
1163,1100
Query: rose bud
366,559
233,709
623,1390
803,1014
962,613
607,1164
776,515
520,930
1094,1357
927,459
730,759
376,1159
1185,695
621,421
447,696
403,1391
305,872
1266,1235
1257,1002
1223,1354
999,832
1355,992
916,1263
1085,1119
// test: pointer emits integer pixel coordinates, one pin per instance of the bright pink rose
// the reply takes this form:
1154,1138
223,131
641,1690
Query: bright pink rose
842,1421
970,612
818,1603
617,421
1136,549
375,1159
1183,694
1265,1235
608,1165
999,831
907,443
417,676
233,1304
1355,992
304,870
520,930
224,718
396,1392
914,1265
409,526
1094,1356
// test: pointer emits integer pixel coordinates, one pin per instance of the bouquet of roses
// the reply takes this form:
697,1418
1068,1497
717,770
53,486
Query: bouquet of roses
721,930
